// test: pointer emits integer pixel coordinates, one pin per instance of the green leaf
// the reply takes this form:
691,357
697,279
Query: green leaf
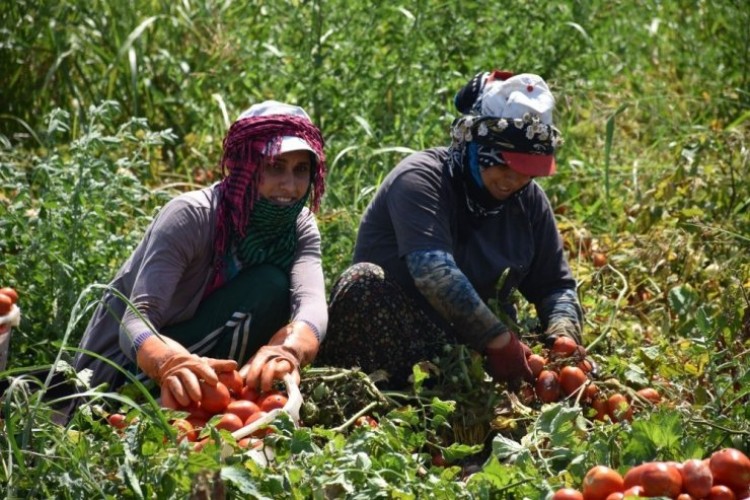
240,479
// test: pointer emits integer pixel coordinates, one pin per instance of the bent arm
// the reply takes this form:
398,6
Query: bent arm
449,291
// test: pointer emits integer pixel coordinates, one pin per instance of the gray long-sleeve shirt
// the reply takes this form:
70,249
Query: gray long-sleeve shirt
167,275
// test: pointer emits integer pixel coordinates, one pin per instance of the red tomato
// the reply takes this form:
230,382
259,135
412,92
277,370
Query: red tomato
10,292
438,460
117,420
230,422
257,416
616,495
661,480
600,405
232,380
618,408
685,496
5,305
721,492
585,365
590,392
600,481
567,494
214,399
649,394
563,347
547,386
731,468
242,408
197,423
634,475
599,259
536,363
185,429
366,420
696,478
272,400
249,394
571,378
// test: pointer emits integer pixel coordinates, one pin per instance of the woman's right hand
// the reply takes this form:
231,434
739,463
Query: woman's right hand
507,362
178,372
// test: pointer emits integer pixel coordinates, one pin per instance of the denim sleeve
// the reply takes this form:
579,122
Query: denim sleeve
561,314
449,291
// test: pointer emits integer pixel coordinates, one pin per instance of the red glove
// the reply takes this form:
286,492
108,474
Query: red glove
508,363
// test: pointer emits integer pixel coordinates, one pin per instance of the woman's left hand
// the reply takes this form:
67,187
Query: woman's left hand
270,363
292,346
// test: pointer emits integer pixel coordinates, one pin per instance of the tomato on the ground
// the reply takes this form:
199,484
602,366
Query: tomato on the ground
547,386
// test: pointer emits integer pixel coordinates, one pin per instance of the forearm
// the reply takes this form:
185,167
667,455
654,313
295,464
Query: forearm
561,314
449,291
299,339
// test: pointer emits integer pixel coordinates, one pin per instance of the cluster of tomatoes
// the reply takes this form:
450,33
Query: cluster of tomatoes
563,371
230,405
725,475
8,298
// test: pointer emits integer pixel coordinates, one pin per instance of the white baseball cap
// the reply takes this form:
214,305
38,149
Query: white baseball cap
267,108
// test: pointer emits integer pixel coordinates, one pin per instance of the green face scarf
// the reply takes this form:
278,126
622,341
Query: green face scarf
271,234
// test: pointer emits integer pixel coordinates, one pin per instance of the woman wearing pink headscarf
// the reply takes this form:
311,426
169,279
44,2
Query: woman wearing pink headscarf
228,275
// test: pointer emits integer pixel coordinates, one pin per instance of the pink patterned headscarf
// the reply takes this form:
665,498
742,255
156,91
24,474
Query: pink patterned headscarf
248,142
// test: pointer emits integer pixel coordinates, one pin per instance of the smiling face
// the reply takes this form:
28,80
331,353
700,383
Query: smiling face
502,181
286,181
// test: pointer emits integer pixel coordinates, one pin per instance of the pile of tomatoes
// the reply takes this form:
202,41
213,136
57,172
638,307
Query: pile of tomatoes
8,298
725,475
230,405
563,371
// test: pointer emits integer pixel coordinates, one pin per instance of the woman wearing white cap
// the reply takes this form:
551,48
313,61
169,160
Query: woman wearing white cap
227,275
444,228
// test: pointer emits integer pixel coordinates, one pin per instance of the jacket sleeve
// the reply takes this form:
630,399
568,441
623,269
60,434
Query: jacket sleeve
307,282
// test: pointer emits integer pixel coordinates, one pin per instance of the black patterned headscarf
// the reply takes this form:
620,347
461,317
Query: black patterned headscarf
507,120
